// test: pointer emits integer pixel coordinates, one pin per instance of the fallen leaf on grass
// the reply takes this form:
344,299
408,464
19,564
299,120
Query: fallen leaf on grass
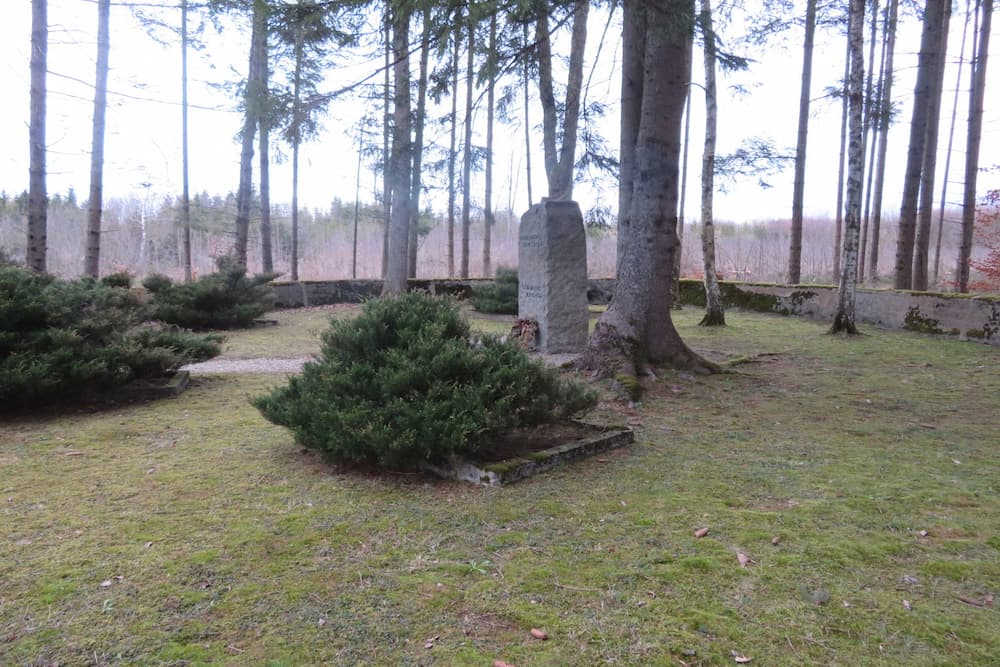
501,663
430,642
776,540
539,634
701,532
907,606
739,658
743,559
71,452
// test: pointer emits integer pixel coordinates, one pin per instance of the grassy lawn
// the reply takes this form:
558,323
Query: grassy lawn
860,476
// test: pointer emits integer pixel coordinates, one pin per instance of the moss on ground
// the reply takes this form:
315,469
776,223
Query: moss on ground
191,531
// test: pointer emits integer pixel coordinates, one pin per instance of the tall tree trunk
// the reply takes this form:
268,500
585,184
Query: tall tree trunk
526,76
633,59
885,106
559,160
715,314
402,154
37,197
799,183
868,144
951,140
637,329
930,43
185,159
357,203
488,195
453,149
925,210
975,131
263,146
92,257
839,224
252,104
463,270
418,144
678,260
386,136
296,142
844,318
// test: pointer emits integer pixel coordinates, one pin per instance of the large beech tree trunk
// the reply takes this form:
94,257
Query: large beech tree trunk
633,33
637,328
92,256
843,321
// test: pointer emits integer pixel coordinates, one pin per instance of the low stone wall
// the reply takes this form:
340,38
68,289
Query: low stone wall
957,315
960,316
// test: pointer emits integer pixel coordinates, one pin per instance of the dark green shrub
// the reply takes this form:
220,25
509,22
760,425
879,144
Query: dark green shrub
405,382
500,297
119,279
65,339
227,299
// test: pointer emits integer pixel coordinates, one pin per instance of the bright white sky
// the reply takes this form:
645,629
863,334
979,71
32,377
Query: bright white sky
143,124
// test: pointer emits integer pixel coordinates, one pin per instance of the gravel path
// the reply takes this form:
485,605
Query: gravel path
294,365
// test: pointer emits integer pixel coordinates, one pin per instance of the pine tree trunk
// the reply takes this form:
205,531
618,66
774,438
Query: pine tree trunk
526,75
637,329
925,210
559,159
885,106
631,114
488,194
418,145
402,155
185,159
386,137
798,187
92,257
357,203
463,270
296,142
252,103
975,130
264,148
844,318
715,314
951,139
453,152
930,42
37,197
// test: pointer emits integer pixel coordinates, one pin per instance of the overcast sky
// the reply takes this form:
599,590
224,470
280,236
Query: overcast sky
143,124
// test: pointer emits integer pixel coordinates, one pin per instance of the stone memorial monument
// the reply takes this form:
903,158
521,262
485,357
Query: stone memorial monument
552,275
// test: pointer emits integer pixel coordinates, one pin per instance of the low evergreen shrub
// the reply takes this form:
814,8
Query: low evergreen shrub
227,299
500,297
63,339
406,382
119,279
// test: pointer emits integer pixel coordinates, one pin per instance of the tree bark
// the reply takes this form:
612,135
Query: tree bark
633,33
885,106
868,144
951,139
296,142
637,329
402,154
418,144
463,270
839,224
925,210
930,42
252,111
559,160
527,120
844,318
975,131
386,137
798,186
715,314
488,220
92,257
185,158
453,150
263,146
37,196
